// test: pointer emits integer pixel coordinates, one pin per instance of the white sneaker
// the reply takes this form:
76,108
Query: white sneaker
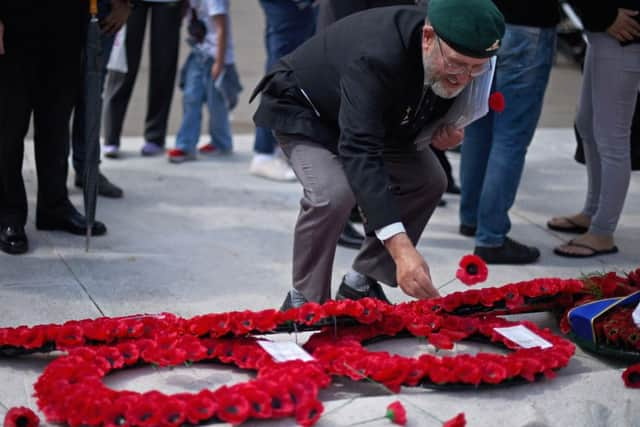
111,151
271,167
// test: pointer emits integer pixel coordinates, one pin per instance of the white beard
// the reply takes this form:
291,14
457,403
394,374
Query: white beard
437,85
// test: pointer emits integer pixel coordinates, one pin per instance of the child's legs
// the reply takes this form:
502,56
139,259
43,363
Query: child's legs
219,126
195,72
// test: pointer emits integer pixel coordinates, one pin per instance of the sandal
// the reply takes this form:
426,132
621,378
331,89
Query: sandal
573,227
594,251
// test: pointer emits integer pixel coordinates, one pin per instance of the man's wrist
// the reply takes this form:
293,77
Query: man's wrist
389,231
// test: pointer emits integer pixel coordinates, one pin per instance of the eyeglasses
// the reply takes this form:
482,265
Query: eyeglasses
457,68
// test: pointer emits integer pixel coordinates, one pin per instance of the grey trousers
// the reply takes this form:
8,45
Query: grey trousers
417,181
609,89
165,37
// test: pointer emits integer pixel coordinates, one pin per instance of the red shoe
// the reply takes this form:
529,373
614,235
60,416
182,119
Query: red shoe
212,151
178,156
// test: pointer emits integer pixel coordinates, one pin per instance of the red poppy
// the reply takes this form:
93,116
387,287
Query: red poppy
21,417
172,412
70,335
259,401
232,407
457,421
472,270
468,372
496,102
32,338
631,376
440,341
201,407
396,413
308,413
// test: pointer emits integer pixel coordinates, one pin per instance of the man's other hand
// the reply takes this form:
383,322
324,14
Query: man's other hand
1,38
412,271
446,137
120,11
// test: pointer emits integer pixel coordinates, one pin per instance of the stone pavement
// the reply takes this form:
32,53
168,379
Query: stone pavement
208,237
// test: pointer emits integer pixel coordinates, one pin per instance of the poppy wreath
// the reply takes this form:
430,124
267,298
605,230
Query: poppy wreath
23,340
71,390
343,352
541,294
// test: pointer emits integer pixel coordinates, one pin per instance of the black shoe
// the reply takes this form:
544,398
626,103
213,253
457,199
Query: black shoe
350,237
375,291
13,240
105,187
511,252
452,188
442,203
286,304
467,230
72,222
355,216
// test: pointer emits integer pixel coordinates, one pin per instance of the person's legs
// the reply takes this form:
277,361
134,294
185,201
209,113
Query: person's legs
194,95
324,208
612,78
165,41
473,166
17,73
287,27
120,85
522,73
417,182
219,125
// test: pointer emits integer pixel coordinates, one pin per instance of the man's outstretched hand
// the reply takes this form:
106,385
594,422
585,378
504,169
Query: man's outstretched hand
412,271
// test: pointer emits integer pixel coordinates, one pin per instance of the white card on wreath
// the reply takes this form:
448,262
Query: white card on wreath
284,351
523,336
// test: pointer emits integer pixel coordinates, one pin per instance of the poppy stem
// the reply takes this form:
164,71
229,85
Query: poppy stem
4,406
442,286
370,420
424,411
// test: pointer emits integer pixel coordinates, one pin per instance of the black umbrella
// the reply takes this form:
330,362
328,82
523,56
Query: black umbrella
93,108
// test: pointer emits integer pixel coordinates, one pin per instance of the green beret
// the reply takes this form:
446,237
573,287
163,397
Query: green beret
471,27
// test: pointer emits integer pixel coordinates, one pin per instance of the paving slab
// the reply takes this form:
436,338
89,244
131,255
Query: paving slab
206,236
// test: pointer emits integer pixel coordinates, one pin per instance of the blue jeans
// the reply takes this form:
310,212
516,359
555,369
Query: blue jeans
288,26
77,132
199,88
495,146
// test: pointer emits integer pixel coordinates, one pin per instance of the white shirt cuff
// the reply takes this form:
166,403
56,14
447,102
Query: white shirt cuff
389,231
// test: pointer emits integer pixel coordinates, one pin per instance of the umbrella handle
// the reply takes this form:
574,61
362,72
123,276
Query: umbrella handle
93,7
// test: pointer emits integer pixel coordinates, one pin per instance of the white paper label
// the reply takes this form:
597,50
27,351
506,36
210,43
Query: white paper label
523,336
283,351
636,316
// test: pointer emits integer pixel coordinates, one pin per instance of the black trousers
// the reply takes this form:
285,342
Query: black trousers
165,42
40,79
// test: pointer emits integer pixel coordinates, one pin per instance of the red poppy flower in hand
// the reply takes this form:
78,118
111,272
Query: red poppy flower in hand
396,413
496,102
472,270
21,417
631,376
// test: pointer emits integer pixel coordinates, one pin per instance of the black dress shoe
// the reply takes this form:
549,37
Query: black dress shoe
350,237
72,222
511,252
105,187
375,291
467,230
13,240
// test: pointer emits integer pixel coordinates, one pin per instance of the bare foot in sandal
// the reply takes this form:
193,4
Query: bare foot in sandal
578,223
587,245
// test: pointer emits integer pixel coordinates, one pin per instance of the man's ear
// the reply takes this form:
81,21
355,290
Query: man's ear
428,35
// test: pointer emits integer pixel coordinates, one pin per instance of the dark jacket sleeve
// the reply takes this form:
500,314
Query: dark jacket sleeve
365,97
596,15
